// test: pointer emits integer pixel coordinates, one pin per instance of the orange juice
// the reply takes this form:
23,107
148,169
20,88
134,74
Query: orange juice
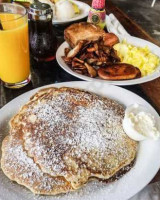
14,48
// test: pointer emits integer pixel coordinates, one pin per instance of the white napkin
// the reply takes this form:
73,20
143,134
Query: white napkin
114,26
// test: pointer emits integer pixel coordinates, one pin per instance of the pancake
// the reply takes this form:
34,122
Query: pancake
75,134
18,167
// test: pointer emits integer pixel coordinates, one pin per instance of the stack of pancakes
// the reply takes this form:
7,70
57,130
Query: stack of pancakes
63,138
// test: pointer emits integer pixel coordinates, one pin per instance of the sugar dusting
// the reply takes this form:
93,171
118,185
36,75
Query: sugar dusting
22,168
74,125
71,129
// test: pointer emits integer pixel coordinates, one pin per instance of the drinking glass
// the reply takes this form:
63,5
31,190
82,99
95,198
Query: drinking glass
14,46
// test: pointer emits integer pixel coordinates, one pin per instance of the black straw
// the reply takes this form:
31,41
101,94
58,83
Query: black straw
1,27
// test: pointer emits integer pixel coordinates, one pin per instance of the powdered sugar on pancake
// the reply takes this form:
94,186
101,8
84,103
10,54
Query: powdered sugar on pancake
19,167
77,135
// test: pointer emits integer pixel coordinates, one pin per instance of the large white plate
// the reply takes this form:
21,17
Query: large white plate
147,161
84,10
132,40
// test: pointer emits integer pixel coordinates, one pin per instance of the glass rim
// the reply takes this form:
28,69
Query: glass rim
15,5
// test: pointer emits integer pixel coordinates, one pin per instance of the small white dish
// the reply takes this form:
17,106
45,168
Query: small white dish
141,123
84,10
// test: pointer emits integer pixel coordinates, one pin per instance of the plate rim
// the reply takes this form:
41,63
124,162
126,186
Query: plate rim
144,79
82,85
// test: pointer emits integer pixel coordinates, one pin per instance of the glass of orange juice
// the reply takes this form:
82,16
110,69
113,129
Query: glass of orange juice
14,46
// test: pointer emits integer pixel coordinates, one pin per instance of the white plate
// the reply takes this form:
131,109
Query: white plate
147,162
132,40
84,10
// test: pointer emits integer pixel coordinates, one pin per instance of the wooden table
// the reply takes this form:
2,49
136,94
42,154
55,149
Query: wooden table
47,73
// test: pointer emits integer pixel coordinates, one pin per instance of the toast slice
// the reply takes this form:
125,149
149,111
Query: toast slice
82,31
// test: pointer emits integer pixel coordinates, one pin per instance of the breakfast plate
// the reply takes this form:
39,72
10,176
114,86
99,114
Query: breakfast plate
131,40
84,10
131,183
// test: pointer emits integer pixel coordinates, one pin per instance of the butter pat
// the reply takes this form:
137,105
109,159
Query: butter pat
140,124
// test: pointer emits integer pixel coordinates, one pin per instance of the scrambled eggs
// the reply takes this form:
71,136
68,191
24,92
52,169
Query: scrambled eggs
140,57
